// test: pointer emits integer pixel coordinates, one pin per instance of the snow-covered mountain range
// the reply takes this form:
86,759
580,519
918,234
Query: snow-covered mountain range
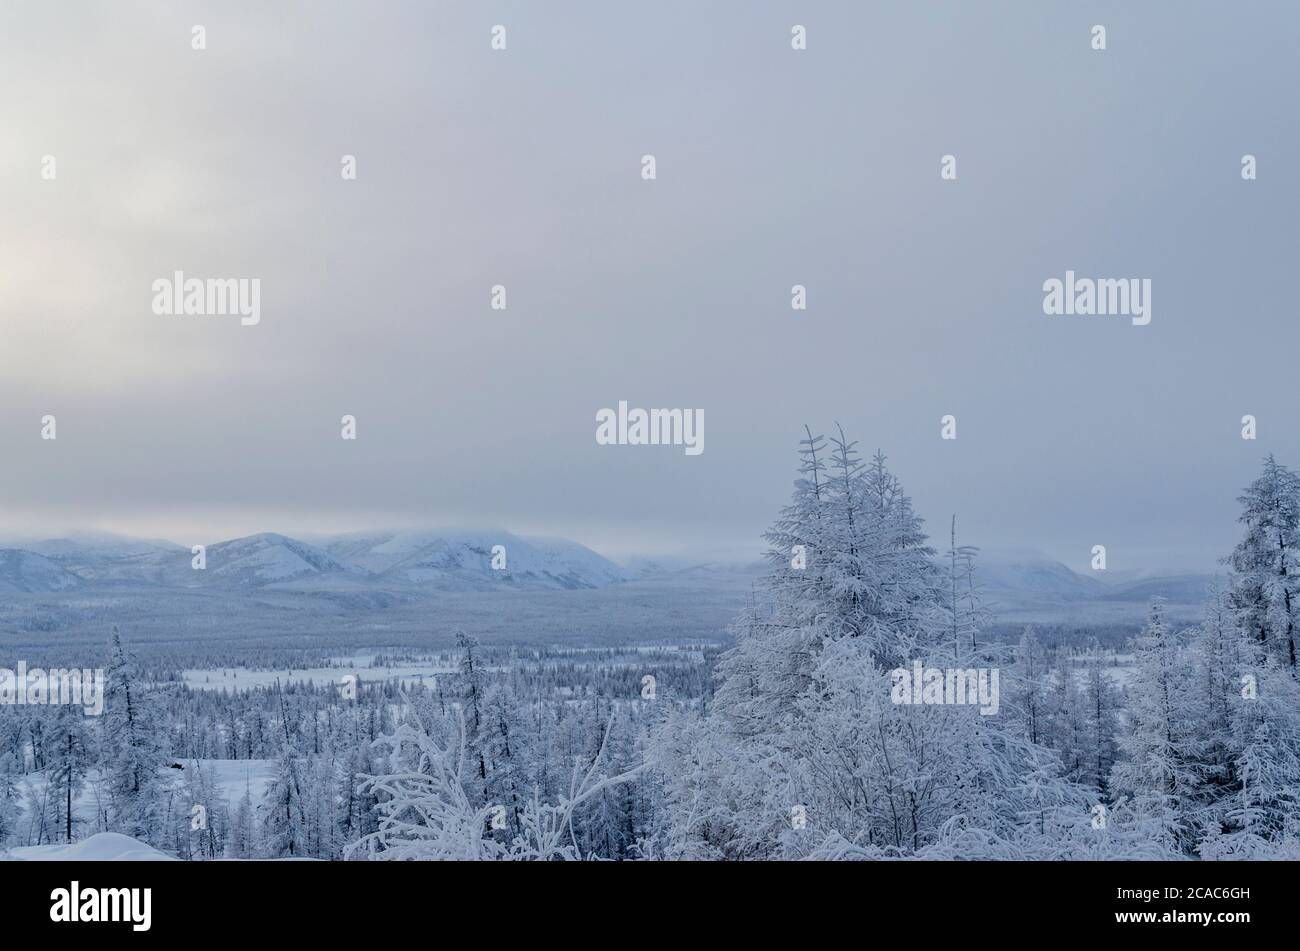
1014,582
440,560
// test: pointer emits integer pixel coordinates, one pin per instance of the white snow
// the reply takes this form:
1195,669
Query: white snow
101,847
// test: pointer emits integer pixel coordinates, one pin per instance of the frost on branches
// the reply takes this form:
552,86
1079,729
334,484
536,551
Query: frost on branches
425,814
802,754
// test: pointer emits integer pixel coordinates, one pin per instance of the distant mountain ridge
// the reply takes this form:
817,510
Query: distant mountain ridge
1021,581
366,564
453,561
458,559
1039,575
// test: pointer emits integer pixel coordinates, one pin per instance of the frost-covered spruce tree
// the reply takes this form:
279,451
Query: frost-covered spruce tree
962,603
503,742
10,809
898,779
130,753
199,815
715,789
883,576
1158,770
71,757
12,758
1221,657
777,636
847,558
356,810
1266,564
320,806
13,745
1248,718
1101,722
830,761
1029,685
284,819
606,823
1067,716
1252,807
1263,815
471,672
241,842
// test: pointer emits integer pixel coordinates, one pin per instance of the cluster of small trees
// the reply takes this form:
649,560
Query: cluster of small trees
149,766
65,747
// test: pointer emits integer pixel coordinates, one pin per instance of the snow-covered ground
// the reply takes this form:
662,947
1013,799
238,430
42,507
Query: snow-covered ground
231,776
101,847
242,678
1115,667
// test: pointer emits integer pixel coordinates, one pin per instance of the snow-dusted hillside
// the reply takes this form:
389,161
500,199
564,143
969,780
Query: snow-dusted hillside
463,560
1026,586
265,559
1033,573
1175,588
569,561
102,558
27,571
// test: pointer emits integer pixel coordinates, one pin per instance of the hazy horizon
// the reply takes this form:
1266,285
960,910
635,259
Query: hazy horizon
995,554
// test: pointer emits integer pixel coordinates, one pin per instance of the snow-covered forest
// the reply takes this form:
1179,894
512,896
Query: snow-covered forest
787,740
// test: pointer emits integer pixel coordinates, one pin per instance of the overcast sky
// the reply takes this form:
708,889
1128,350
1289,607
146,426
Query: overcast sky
522,168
